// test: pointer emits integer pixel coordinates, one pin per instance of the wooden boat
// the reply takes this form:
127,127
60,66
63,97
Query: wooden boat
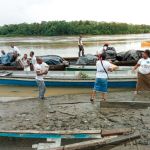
55,63
118,79
59,67
92,68
80,139
145,44
73,60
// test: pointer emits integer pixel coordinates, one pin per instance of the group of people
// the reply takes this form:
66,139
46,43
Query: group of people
104,66
33,63
10,57
41,69
13,58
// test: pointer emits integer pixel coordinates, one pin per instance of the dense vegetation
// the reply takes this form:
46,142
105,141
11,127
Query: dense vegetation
53,28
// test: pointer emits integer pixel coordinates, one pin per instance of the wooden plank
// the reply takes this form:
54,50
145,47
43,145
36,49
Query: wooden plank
95,144
63,132
125,104
72,132
115,132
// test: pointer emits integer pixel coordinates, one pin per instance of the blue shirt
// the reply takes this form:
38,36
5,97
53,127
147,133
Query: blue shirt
5,59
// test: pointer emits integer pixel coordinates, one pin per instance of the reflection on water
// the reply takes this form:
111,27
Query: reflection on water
67,45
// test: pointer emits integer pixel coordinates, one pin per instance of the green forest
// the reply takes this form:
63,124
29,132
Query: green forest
55,28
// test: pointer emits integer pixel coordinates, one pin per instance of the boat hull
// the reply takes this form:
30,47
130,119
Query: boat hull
60,67
127,83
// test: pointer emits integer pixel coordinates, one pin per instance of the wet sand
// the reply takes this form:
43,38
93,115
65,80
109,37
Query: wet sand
22,91
69,112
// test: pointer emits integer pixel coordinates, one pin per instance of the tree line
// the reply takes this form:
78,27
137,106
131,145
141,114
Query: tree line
55,28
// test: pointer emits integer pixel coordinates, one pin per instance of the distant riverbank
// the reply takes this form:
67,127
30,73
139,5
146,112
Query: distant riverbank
58,28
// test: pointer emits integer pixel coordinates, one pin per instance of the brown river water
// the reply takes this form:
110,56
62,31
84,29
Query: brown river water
66,46
50,115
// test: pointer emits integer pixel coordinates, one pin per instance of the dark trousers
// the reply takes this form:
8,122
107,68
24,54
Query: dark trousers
81,50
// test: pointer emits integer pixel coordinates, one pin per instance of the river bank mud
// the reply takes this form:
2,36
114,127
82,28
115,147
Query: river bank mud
70,112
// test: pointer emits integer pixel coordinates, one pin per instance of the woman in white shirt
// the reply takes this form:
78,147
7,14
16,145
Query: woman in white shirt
101,83
143,65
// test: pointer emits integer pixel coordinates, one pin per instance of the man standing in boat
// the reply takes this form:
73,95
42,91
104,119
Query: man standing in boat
41,69
81,48
15,49
33,60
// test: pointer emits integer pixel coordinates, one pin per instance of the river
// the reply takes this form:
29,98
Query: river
66,46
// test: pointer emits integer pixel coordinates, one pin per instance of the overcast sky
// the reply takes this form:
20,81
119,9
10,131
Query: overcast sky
130,11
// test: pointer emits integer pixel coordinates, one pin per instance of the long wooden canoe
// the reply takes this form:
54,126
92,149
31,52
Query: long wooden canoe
123,79
74,134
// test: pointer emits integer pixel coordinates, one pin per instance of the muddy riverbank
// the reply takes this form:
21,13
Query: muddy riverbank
69,112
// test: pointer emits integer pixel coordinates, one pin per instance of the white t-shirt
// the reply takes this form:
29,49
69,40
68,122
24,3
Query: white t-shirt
16,49
80,42
144,65
100,70
41,68
25,64
33,60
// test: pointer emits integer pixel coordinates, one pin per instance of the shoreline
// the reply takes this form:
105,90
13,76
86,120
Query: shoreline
73,35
